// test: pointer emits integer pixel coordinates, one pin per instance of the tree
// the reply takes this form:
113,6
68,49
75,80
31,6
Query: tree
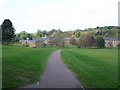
56,34
60,31
67,33
56,42
8,31
112,33
44,33
23,35
100,42
51,32
73,41
86,41
29,36
17,38
39,34
77,33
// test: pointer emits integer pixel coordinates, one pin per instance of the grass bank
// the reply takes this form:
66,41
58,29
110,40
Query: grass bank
22,65
94,68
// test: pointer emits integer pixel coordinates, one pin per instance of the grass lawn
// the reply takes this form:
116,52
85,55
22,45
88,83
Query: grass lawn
94,68
22,65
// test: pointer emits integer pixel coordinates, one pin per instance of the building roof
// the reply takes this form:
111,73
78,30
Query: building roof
34,40
67,39
111,38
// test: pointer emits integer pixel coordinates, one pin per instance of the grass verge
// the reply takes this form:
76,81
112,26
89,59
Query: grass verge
22,66
94,68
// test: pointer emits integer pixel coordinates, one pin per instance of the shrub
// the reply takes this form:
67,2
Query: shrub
26,45
100,42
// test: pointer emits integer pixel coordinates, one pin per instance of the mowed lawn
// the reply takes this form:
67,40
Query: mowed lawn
94,68
23,65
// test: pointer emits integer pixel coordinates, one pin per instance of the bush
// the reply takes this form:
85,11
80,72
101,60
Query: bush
100,42
26,45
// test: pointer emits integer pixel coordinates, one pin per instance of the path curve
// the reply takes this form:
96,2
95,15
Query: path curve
56,75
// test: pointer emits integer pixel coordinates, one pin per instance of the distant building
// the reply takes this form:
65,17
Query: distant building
67,41
112,42
47,41
36,42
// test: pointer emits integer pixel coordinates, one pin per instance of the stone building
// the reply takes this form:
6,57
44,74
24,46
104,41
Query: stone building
112,42
37,42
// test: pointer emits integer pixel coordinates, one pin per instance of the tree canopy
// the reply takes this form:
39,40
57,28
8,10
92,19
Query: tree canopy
100,42
8,31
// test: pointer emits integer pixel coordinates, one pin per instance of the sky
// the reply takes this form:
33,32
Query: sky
31,15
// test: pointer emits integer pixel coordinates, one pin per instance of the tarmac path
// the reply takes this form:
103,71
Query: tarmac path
56,75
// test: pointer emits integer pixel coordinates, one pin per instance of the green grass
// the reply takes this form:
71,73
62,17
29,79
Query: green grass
23,65
94,68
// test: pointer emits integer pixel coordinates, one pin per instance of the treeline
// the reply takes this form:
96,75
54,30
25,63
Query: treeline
107,31
8,33
87,41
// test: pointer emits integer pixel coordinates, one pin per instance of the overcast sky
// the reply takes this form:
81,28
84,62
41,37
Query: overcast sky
31,15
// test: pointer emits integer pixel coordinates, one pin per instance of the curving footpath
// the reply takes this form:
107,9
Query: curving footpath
56,75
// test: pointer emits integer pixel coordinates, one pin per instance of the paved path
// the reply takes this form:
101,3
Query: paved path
56,75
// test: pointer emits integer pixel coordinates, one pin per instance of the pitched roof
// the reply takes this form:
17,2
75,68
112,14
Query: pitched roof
111,38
